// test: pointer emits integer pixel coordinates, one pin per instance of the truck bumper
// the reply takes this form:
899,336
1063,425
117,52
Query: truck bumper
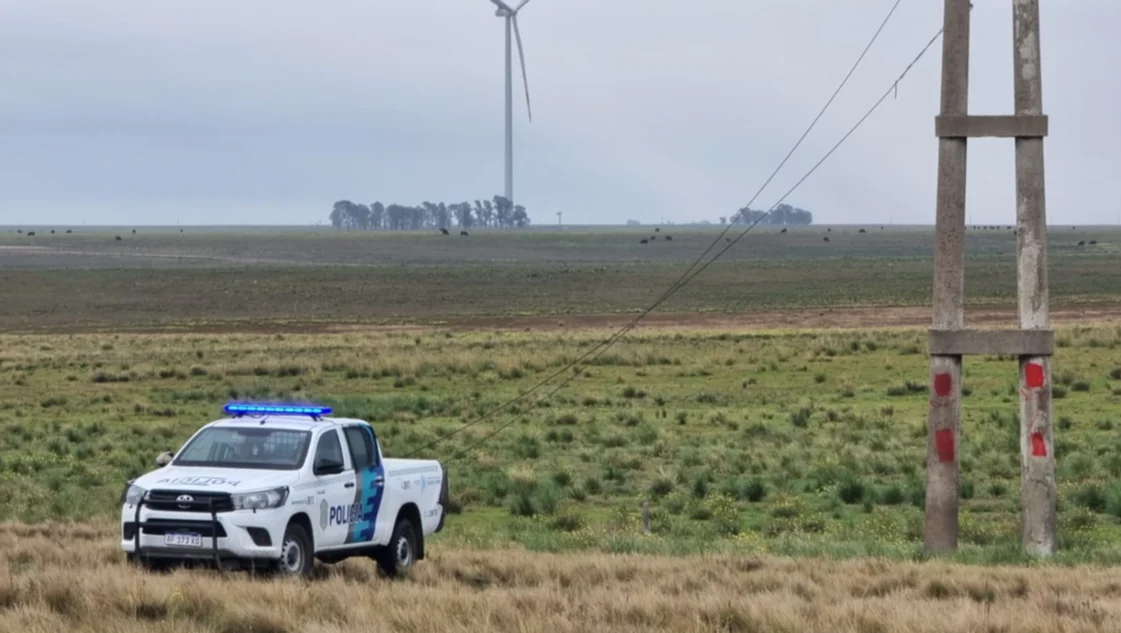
242,535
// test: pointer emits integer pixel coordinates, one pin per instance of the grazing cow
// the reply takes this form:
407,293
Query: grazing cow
68,231
825,239
644,241
31,234
656,229
1081,242
669,238
118,238
1092,242
862,231
782,231
465,233
52,231
444,231
134,231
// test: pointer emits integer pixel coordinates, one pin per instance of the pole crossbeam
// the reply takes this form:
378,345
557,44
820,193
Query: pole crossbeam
949,340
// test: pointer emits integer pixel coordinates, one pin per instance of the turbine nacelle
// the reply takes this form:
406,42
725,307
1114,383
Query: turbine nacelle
503,10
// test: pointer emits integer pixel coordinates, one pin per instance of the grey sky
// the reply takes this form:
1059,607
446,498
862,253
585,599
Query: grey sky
260,111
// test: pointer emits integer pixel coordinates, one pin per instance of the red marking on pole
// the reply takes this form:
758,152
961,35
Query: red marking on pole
1033,375
944,442
1038,446
942,384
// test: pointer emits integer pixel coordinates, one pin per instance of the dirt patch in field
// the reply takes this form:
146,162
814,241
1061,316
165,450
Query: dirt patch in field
830,318
816,319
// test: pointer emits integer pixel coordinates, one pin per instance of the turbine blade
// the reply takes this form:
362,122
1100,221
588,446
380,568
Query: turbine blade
521,58
502,5
520,5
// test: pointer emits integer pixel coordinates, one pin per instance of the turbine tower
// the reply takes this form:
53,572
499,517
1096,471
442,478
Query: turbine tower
511,15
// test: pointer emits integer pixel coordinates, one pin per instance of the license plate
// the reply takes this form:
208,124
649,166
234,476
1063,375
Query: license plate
182,540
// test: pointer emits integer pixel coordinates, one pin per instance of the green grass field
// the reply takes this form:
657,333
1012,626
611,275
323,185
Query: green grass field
164,279
797,442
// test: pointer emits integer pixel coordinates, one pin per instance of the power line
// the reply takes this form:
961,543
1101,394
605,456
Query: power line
853,129
685,278
727,246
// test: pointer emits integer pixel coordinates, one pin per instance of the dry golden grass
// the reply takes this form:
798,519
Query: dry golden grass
72,578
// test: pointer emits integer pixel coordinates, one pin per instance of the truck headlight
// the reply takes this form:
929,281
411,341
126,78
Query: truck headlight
132,494
261,499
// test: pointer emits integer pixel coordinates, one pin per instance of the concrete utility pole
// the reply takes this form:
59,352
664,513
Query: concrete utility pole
1033,343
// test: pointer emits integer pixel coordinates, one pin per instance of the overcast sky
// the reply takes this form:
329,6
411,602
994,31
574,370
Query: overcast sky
257,111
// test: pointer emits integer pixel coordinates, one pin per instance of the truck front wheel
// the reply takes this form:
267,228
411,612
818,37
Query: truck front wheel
400,554
295,552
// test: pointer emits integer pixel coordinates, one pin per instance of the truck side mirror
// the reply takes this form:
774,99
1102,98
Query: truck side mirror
327,466
164,458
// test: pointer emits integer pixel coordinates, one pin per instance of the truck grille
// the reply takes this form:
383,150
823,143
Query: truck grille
206,529
169,501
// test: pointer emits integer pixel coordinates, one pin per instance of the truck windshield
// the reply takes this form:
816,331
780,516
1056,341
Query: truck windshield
248,447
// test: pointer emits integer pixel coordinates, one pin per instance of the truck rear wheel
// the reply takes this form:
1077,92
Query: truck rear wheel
296,557
400,554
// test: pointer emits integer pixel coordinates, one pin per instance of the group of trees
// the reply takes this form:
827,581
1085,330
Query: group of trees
783,214
497,212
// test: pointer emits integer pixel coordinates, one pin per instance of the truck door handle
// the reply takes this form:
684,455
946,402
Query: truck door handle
349,484
379,480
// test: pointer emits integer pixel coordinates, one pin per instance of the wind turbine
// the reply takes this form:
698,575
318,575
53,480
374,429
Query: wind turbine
511,16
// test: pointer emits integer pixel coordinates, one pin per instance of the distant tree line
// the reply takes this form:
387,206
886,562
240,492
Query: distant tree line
496,212
783,214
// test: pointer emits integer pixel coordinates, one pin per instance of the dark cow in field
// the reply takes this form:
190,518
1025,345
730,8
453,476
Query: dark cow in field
825,239
1081,242
465,234
31,234
644,241
1092,242
862,231
444,231
782,231
669,238
118,238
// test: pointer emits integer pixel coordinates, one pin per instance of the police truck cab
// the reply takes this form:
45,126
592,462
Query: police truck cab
278,486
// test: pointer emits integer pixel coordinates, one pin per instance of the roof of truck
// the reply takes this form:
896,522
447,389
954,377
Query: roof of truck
285,422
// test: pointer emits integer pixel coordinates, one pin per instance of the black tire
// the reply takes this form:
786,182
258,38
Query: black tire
400,554
296,556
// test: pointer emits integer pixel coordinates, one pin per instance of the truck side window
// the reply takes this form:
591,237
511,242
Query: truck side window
329,447
361,448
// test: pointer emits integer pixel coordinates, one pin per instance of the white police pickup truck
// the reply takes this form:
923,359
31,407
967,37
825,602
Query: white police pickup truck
274,487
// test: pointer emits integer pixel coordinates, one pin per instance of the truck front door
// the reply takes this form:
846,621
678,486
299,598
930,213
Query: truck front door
334,511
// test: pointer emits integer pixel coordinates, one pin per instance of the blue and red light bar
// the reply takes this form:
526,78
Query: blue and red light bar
244,408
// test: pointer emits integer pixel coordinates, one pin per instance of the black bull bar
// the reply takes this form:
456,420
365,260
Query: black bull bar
172,525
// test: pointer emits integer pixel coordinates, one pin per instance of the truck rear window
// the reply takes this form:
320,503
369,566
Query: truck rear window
249,447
